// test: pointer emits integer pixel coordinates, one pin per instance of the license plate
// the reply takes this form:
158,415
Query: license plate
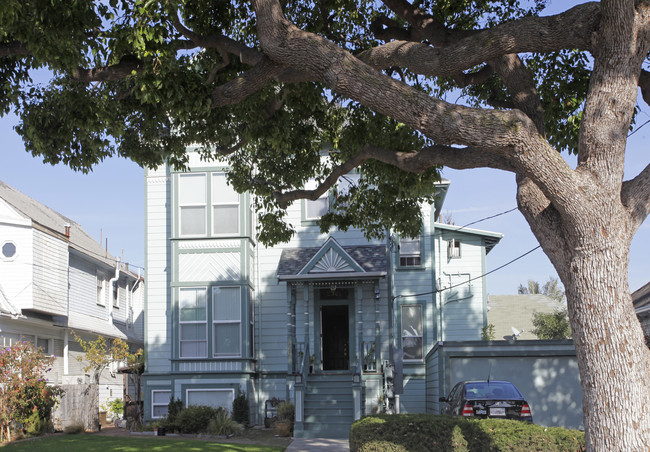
497,411
479,412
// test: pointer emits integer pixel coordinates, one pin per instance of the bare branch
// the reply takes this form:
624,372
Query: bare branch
413,162
13,48
635,196
239,88
119,71
571,29
521,86
222,43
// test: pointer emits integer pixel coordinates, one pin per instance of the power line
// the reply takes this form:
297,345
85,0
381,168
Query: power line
470,280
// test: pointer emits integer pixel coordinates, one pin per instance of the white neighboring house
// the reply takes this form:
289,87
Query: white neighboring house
55,278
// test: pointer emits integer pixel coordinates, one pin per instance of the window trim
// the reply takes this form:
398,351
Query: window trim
420,253
454,249
101,289
420,307
226,322
204,204
213,204
230,390
193,322
153,404
5,257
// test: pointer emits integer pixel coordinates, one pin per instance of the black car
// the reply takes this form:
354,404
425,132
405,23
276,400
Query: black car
486,398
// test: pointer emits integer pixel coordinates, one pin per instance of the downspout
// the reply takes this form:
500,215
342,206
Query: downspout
110,287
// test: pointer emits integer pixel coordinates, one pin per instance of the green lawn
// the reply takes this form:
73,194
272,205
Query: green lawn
96,443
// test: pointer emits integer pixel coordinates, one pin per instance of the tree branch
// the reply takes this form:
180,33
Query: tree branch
413,162
239,88
635,196
119,71
571,29
521,86
644,84
13,49
222,43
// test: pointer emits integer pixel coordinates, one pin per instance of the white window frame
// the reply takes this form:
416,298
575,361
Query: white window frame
230,390
413,255
115,295
453,249
203,204
154,404
217,201
421,336
216,322
101,289
192,322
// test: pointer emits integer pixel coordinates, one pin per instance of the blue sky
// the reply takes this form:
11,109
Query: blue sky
109,203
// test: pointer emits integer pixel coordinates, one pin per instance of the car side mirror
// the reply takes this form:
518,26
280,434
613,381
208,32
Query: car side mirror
442,399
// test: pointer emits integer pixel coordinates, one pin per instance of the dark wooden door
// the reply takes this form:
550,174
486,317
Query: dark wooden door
335,337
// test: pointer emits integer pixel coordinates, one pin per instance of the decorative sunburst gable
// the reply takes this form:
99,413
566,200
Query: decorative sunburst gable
331,258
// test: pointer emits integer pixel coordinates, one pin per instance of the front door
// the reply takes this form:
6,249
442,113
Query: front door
335,337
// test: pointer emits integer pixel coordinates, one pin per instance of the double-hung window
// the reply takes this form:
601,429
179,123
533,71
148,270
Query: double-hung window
100,289
409,252
412,331
226,321
454,249
225,206
192,203
160,403
193,323
316,209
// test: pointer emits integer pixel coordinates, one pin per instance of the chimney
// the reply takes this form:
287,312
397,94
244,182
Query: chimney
67,229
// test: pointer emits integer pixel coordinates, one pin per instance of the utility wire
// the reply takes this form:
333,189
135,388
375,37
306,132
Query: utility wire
469,280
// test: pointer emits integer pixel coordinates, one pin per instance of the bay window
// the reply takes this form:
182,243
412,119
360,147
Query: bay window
226,321
225,206
192,204
193,323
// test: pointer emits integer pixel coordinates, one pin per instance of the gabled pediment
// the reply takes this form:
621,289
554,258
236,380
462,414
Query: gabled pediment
331,258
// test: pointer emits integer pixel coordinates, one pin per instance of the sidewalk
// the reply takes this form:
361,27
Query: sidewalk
318,444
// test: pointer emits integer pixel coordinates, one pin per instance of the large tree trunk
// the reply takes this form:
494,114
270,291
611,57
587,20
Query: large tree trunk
613,359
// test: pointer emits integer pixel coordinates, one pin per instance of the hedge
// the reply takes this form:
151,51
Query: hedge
427,432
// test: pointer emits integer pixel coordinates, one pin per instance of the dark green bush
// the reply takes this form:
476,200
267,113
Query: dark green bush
240,410
194,419
425,432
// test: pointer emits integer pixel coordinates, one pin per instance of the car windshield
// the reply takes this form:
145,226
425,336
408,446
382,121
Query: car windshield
491,390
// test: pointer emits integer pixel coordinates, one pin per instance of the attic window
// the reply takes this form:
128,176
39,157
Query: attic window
454,249
8,250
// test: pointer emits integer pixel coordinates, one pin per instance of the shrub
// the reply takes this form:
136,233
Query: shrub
286,412
74,429
35,425
194,419
240,410
222,424
424,432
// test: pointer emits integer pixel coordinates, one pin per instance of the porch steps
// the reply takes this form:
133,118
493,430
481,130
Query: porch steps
329,406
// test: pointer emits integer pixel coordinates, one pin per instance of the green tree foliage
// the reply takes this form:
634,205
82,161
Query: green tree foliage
554,325
101,352
551,288
26,399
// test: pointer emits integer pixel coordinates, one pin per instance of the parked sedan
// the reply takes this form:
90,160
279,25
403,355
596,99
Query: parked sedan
486,398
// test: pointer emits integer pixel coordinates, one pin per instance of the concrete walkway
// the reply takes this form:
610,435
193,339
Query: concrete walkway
318,445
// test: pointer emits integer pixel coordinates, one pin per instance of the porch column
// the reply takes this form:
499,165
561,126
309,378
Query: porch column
305,303
291,330
358,307
377,327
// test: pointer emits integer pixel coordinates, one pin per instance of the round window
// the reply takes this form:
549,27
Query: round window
8,250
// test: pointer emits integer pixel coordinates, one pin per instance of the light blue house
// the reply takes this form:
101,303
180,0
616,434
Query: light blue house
333,323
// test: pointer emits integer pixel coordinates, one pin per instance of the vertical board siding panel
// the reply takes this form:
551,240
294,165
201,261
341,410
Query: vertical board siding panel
158,231
16,275
50,274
